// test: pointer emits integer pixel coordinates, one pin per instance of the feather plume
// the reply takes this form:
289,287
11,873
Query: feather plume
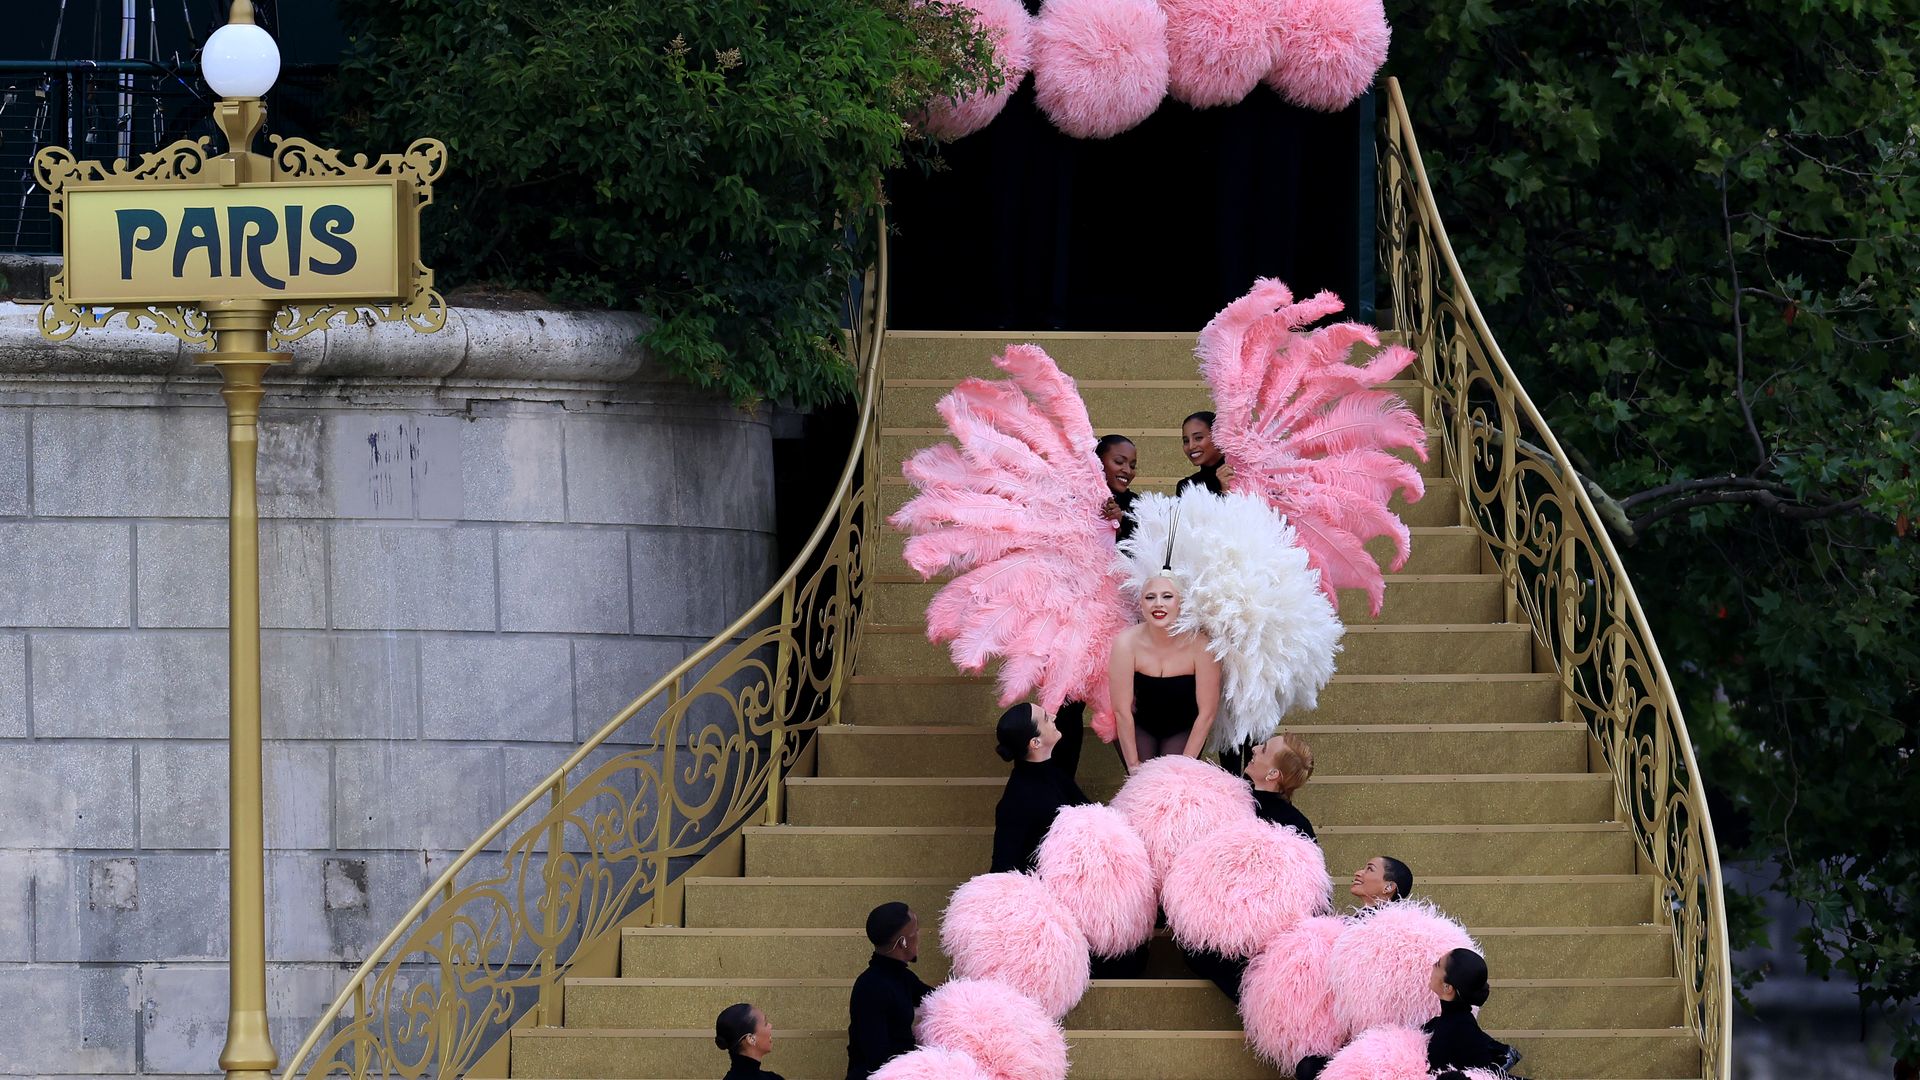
1013,510
1306,431
1246,584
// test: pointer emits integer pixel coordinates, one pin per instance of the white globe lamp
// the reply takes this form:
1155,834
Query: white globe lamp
240,59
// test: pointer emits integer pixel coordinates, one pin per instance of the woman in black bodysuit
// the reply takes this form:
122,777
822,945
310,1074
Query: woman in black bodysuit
1165,686
743,1032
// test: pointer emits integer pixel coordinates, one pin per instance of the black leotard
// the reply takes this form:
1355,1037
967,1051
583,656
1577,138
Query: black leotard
1164,705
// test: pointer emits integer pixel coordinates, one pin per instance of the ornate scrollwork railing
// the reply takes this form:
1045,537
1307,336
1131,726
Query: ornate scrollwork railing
598,842
1562,575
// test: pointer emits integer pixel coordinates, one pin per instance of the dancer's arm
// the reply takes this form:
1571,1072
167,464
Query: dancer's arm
1206,692
1120,691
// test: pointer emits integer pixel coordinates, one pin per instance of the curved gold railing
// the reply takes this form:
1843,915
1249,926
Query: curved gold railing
1562,575
595,844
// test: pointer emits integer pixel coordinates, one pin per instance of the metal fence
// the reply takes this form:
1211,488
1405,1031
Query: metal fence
111,109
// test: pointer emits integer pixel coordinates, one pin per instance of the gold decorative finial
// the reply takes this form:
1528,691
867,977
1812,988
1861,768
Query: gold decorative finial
241,12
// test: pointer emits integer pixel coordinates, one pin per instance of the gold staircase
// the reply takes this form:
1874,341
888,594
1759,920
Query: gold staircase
1505,727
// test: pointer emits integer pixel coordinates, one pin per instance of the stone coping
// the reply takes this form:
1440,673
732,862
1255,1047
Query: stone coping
477,344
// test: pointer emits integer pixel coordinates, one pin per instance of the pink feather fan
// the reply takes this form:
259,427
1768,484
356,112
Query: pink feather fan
1004,1032
1010,929
1381,965
1014,510
1386,1053
1097,867
1286,1004
932,1063
1011,28
1173,800
1243,884
1307,431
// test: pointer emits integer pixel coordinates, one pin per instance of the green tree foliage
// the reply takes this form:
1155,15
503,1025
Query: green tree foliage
699,160
1693,228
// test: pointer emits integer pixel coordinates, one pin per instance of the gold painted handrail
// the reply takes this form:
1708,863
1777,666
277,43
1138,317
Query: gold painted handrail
1563,576
594,845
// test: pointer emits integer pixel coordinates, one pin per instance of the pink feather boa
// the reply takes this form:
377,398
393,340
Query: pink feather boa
1242,885
1097,867
1099,66
1174,800
1003,1031
1329,52
932,1063
1010,929
1286,1001
1384,1053
1381,965
1011,29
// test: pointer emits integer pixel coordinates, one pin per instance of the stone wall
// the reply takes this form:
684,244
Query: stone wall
476,548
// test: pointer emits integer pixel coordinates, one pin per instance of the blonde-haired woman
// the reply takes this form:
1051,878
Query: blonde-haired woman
1276,769
1165,686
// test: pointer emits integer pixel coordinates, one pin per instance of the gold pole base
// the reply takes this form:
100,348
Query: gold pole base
249,1052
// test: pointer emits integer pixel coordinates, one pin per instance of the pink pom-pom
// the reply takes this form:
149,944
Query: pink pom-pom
1011,28
1385,1053
1217,50
1004,1032
1286,1004
931,1063
1329,52
1099,66
1382,964
1097,867
1010,929
1243,884
1173,800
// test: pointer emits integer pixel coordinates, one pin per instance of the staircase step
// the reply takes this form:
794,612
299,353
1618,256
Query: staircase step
1159,452
1434,649
1569,900
1435,549
689,1054
1410,599
877,700
1110,1004
1596,952
1440,505
850,750
841,851
1490,799
1123,405
956,354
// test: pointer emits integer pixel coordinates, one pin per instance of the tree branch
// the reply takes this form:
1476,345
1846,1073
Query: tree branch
1764,499
1740,335
1705,483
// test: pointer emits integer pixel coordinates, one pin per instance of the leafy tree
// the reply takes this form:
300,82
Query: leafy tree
704,161
1693,226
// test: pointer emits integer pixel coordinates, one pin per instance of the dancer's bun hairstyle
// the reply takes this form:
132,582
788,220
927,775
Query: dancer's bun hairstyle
1017,728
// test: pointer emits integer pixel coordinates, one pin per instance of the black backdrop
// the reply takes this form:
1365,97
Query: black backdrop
1154,229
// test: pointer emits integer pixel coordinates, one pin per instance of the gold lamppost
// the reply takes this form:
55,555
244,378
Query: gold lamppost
246,252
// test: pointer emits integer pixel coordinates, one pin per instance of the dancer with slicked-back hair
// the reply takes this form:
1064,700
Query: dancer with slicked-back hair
1196,441
1043,754
744,1033
1454,1038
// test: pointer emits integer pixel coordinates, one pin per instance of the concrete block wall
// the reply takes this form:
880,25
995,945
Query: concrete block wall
461,578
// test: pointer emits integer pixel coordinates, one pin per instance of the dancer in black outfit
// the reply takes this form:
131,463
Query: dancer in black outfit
1119,460
1454,1039
1044,755
886,995
1196,439
744,1033
1280,766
